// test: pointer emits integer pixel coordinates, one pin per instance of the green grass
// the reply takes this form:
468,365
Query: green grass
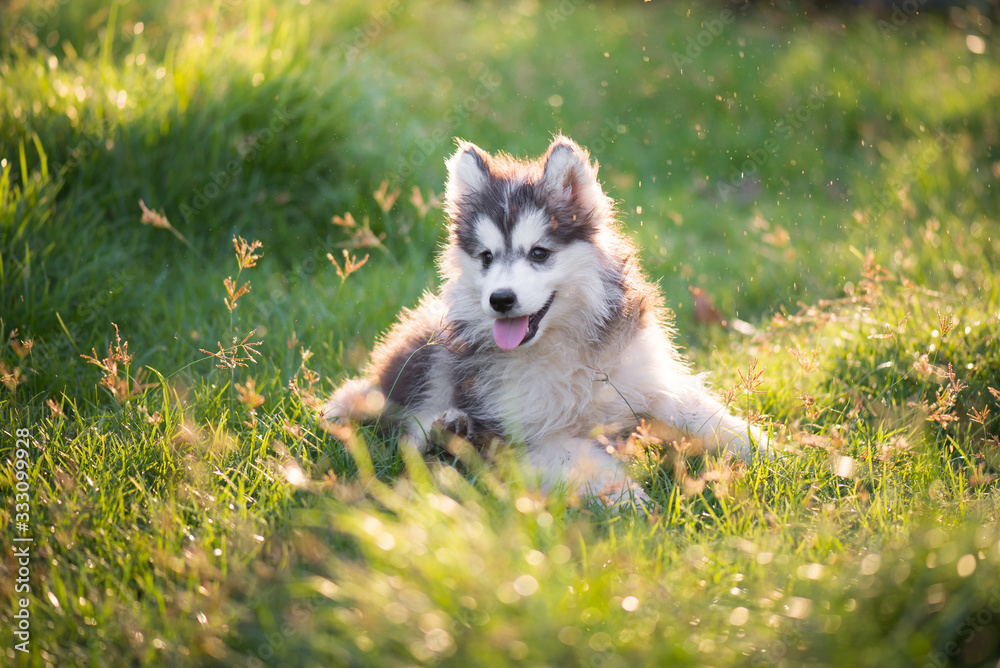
179,522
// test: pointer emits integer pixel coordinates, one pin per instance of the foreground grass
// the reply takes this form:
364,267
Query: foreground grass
831,185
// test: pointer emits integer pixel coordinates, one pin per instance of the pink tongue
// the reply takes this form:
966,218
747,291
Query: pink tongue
509,332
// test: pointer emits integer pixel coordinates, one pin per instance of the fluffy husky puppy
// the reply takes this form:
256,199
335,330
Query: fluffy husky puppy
544,332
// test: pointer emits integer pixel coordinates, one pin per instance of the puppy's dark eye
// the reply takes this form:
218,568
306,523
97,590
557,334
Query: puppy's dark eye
539,254
487,258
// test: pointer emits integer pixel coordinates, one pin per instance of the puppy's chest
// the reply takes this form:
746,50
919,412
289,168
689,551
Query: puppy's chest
534,398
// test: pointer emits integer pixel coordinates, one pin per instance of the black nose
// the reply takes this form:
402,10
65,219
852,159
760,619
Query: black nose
503,300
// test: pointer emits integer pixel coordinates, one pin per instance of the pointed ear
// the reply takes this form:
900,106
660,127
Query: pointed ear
468,172
568,174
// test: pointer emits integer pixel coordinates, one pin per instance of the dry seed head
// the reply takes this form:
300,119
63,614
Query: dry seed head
645,437
422,206
363,237
248,393
808,403
874,275
351,264
20,347
924,367
946,322
753,378
10,378
159,220
346,221
117,354
234,294
328,482
728,397
897,446
311,378
341,430
246,252
384,198
55,409
807,361
814,441
890,331
122,388
945,398
692,486
153,419
980,478
303,384
150,217
236,355
979,416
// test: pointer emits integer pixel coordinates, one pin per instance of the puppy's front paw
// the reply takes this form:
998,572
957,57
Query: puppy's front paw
357,399
753,442
455,422
626,494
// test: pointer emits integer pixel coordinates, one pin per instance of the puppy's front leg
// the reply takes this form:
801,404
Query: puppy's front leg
585,467
693,409
362,400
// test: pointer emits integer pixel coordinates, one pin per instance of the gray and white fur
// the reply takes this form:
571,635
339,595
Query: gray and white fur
544,330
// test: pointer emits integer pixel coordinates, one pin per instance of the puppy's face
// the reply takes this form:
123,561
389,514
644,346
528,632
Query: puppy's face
522,232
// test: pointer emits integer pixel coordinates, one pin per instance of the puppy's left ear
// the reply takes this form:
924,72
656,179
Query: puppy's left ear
569,176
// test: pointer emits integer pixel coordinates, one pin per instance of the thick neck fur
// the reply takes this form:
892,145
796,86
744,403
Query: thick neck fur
524,393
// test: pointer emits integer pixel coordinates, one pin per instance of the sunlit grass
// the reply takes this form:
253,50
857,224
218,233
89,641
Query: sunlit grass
185,513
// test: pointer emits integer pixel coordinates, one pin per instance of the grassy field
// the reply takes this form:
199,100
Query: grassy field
169,495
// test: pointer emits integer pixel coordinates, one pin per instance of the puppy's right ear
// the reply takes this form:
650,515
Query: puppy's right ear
468,172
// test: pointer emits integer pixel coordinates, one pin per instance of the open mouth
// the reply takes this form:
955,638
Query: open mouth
509,333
